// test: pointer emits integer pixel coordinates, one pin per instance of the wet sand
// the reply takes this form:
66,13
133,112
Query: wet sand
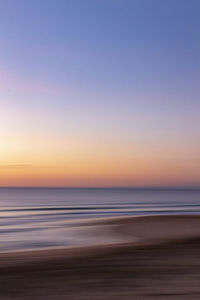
161,270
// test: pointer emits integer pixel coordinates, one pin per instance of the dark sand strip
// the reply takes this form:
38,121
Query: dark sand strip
169,270
161,272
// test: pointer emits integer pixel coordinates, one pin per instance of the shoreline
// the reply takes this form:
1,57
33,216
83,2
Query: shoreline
130,232
155,268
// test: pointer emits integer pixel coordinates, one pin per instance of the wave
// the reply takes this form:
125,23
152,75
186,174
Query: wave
91,237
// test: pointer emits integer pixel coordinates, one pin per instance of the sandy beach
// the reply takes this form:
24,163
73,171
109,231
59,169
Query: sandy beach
150,267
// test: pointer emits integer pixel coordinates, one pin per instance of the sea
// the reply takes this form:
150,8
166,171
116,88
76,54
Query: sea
40,218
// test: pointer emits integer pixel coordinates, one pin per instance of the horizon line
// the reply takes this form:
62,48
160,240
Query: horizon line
106,187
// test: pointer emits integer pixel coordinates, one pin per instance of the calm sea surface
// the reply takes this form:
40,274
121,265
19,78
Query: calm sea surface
39,218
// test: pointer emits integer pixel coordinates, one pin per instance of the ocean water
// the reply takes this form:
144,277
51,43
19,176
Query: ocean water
42,218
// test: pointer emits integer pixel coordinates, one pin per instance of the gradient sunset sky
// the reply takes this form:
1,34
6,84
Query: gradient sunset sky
99,93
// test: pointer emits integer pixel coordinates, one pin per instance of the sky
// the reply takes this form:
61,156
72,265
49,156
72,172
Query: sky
99,93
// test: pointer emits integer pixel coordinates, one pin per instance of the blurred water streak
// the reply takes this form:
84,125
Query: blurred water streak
37,218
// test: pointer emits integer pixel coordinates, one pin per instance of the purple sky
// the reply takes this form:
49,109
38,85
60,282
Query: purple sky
99,92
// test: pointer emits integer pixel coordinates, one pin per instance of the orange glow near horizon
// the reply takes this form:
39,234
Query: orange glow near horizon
45,156
29,162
